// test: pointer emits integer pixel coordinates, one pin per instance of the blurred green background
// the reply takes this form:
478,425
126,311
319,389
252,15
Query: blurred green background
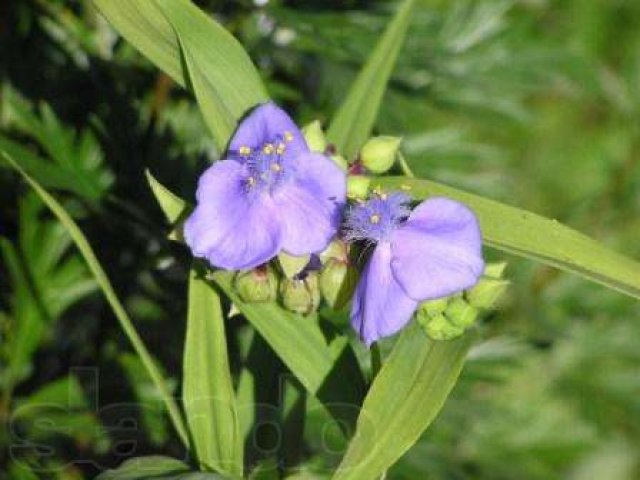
534,102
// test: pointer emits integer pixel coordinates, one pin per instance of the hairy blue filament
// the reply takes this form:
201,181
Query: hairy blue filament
377,218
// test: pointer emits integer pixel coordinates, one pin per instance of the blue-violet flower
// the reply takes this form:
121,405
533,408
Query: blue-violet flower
430,252
270,194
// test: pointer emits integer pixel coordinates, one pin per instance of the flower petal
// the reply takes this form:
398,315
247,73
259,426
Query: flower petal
309,222
229,228
438,251
264,124
310,207
319,172
380,306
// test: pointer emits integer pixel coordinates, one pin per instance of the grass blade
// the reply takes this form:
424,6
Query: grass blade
354,120
532,236
404,399
207,391
105,285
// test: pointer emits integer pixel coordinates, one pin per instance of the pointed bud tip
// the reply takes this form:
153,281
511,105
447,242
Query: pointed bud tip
314,136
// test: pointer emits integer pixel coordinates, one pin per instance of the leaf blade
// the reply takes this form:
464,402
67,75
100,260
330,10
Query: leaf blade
405,397
532,236
356,116
207,392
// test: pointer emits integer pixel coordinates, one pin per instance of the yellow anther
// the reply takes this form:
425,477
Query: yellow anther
288,136
276,167
251,181
268,148
375,218
281,148
383,195
244,151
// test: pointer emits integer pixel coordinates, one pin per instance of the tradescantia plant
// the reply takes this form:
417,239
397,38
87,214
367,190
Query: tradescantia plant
286,216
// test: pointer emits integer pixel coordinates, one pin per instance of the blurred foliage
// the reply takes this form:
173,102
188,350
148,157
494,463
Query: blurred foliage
533,102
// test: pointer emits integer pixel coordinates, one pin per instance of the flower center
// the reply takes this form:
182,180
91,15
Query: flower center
377,218
269,165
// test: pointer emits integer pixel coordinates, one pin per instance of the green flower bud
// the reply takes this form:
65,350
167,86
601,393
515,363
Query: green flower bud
340,161
358,186
495,270
336,249
379,153
434,307
258,285
292,265
337,282
440,328
460,313
314,136
301,296
486,292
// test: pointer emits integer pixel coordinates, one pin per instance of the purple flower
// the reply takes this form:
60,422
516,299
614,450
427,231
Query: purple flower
270,194
429,253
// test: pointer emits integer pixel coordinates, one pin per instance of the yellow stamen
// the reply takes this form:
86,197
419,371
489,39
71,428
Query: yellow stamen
288,136
276,167
281,148
244,151
251,181
375,218
268,148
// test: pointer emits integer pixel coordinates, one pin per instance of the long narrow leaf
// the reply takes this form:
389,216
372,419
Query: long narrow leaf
356,116
207,391
533,236
144,25
103,281
404,399
195,51
224,80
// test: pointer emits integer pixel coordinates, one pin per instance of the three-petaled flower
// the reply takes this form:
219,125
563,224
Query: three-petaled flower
270,194
430,252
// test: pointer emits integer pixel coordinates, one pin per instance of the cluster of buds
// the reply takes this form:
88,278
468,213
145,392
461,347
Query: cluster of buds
301,283
448,318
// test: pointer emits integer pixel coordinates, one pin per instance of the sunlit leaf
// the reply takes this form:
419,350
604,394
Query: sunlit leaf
529,235
403,400
207,391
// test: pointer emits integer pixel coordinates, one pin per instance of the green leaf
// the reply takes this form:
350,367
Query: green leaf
144,468
195,50
207,392
532,236
103,281
225,82
142,23
354,120
404,399
327,367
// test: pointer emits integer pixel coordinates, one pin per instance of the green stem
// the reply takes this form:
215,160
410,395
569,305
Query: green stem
376,360
404,166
